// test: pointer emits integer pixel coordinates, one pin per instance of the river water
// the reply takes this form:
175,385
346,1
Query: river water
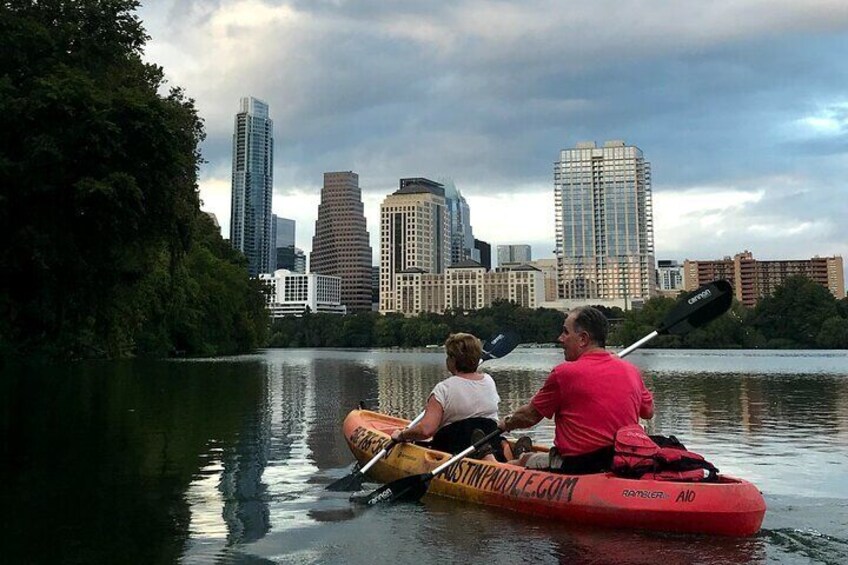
225,460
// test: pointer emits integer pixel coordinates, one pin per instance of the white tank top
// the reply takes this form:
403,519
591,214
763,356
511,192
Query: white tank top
463,398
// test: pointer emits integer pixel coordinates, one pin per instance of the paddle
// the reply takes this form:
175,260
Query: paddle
694,310
495,348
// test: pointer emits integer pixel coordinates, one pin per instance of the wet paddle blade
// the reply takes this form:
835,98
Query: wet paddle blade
407,489
349,483
500,345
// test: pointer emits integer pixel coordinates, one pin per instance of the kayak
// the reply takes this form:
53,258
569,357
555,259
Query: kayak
729,506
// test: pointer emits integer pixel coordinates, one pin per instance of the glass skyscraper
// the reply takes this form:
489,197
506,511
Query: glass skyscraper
461,235
253,185
604,223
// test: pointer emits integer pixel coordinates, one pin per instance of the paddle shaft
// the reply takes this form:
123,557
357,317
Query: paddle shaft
638,344
382,453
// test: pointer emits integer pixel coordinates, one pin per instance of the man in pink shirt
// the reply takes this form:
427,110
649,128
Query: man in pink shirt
590,396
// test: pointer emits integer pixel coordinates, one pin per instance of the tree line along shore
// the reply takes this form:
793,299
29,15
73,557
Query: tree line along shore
799,315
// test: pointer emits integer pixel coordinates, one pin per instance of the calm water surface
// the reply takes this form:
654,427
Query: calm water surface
225,460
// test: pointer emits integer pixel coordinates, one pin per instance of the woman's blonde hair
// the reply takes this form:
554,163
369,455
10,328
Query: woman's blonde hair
465,350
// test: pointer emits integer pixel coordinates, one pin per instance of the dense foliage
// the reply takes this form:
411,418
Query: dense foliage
370,329
106,251
800,314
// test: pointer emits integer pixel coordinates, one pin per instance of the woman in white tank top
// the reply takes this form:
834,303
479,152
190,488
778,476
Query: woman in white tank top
465,394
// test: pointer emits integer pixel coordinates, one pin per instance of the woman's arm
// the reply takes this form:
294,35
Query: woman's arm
428,425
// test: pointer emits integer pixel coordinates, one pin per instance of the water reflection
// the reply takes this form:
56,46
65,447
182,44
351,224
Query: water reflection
226,460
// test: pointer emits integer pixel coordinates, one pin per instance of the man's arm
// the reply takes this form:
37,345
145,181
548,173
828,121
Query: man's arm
525,417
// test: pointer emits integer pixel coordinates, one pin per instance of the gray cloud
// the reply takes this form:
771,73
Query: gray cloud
731,95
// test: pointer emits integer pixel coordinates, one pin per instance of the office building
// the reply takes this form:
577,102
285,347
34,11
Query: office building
462,237
466,286
669,277
340,246
283,249
753,279
291,294
513,255
291,258
375,288
604,223
485,251
414,234
548,268
253,185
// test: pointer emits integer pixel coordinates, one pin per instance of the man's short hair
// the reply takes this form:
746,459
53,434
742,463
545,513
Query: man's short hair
465,350
593,322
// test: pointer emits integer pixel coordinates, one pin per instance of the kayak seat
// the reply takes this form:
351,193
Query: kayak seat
457,436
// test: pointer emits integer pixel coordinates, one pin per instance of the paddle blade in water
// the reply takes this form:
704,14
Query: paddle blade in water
349,483
407,489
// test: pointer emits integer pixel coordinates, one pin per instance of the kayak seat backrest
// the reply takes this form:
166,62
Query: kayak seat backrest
638,456
455,437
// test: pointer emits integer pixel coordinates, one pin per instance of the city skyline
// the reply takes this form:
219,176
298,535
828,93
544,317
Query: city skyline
741,107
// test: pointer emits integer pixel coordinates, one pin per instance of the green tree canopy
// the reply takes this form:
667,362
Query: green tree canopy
99,200
794,314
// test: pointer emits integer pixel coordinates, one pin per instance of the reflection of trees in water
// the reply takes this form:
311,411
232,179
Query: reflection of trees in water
403,388
339,387
113,447
516,387
752,404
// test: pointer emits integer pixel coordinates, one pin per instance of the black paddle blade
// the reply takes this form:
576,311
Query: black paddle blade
349,483
697,308
499,345
407,489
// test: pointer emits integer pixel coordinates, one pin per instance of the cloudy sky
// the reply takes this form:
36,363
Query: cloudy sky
741,106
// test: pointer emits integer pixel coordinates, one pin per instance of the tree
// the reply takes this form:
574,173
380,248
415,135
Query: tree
833,333
99,202
793,315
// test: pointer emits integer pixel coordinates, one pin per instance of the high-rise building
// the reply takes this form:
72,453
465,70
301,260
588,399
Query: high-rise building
282,242
462,237
375,288
669,275
340,246
753,279
414,234
485,251
291,258
253,185
512,254
604,223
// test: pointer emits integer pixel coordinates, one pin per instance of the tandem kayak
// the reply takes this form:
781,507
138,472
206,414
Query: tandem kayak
730,506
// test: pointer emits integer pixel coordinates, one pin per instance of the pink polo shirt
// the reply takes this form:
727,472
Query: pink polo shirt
590,399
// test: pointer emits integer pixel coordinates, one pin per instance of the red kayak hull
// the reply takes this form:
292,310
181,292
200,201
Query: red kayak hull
731,506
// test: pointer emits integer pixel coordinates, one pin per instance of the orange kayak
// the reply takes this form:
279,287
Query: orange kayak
730,506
